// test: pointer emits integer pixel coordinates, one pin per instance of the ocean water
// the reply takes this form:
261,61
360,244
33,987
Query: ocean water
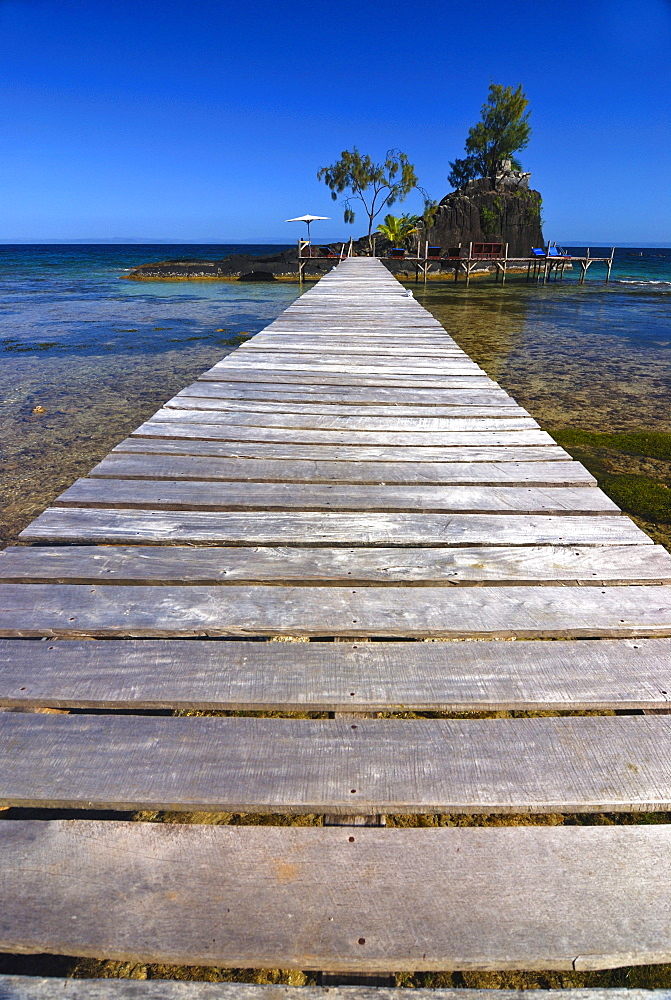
99,354
594,356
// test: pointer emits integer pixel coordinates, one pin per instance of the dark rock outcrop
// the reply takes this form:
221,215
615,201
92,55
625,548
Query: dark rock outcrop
507,212
257,276
242,266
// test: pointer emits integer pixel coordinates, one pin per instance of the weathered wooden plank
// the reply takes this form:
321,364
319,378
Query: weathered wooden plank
389,422
482,566
373,395
70,610
375,364
364,341
351,454
397,439
374,320
374,317
359,333
374,368
365,326
92,524
387,342
300,897
307,345
278,379
194,495
391,347
378,313
585,674
591,764
185,401
354,329
395,341
189,460
378,309
34,988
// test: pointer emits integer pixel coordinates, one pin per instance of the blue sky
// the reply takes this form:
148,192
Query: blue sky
205,120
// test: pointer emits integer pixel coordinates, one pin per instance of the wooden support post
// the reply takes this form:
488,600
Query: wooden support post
505,263
609,264
546,263
300,263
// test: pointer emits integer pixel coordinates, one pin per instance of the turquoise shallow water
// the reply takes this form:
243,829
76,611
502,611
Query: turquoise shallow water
100,354
594,356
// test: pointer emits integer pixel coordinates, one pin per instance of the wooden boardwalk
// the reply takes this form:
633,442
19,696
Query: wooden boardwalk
350,477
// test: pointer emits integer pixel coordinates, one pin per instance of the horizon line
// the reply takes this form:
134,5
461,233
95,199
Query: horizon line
270,241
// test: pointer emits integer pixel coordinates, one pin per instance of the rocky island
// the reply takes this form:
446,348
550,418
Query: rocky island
504,210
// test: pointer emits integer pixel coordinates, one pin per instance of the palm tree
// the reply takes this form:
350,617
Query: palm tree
397,228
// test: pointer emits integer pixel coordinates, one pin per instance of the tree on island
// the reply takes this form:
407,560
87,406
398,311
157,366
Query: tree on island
376,185
502,131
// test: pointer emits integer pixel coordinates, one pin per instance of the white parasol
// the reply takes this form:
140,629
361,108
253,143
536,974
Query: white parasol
308,219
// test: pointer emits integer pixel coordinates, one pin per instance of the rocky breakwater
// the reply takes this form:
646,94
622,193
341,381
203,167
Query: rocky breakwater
236,267
505,210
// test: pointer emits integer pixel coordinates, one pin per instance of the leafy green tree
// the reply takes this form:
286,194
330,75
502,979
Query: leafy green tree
428,216
397,228
502,131
376,185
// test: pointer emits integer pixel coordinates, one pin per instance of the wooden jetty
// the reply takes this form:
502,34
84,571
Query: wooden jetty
350,479
467,262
